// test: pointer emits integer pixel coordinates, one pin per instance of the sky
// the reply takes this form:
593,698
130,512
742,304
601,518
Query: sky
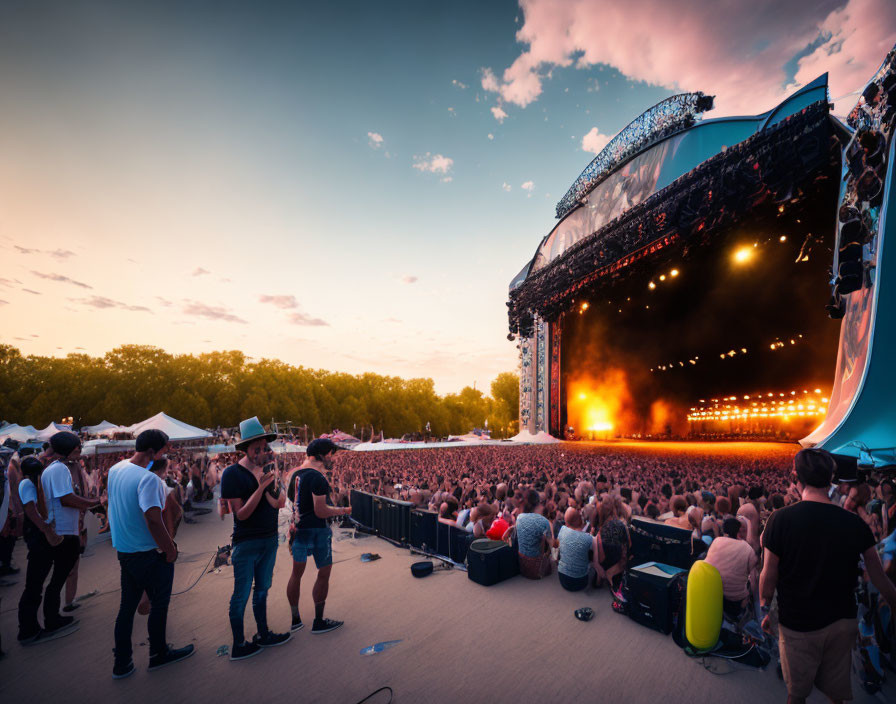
348,186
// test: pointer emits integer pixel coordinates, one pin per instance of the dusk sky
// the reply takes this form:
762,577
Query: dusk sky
351,185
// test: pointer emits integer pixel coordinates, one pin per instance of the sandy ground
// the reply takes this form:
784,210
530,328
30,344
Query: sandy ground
515,642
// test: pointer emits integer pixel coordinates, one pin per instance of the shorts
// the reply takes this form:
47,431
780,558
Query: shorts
315,541
572,584
822,658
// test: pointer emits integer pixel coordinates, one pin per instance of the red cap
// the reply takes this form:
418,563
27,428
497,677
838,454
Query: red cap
498,529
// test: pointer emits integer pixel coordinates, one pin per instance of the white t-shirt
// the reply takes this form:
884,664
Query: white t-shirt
27,491
57,482
132,491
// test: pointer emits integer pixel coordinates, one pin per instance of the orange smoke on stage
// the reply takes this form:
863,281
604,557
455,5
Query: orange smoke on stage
599,406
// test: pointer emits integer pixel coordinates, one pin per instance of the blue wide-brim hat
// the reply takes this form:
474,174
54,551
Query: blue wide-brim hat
252,430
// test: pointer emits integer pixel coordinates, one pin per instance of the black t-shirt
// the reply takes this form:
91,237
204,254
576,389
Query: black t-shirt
309,481
237,482
818,546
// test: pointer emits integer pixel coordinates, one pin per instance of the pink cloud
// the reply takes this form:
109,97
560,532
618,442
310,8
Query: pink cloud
739,53
594,141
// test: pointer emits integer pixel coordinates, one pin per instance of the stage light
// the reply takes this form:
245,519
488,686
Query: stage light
743,255
662,277
585,306
743,350
651,285
772,346
582,396
674,272
783,238
818,391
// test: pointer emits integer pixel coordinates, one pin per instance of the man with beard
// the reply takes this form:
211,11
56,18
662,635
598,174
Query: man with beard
309,491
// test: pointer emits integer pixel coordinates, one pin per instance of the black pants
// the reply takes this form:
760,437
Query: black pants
142,572
41,559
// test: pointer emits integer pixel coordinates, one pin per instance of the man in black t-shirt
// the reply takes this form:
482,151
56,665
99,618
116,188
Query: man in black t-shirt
812,551
250,487
309,491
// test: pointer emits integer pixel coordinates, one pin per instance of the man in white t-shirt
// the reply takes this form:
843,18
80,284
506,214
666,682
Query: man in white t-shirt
736,562
63,510
146,553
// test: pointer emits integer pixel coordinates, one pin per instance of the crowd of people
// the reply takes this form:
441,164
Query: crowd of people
568,508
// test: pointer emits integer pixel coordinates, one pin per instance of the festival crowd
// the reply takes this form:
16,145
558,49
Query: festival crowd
568,508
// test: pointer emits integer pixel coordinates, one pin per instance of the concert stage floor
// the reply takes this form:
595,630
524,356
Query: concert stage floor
696,448
515,642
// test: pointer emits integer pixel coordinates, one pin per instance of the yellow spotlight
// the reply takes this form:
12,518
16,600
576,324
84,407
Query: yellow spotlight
674,272
651,285
782,238
662,277
743,255
582,396
585,306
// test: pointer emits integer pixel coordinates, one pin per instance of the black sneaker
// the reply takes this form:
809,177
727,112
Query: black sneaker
28,638
271,639
68,608
297,624
244,650
62,627
119,672
171,655
324,625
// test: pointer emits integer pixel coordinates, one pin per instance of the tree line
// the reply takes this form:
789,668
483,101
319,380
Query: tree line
218,389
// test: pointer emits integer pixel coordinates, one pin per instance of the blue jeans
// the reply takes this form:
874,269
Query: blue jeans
251,560
142,572
313,541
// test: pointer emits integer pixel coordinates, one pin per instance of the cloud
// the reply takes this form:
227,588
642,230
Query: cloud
457,84
528,186
164,301
742,55
433,163
103,302
489,80
199,271
280,301
304,319
506,186
491,136
409,279
57,253
375,140
499,113
60,278
594,141
36,293
8,283
3,303
203,310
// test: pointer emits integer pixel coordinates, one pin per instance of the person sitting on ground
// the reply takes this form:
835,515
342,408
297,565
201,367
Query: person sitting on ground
736,562
534,537
576,552
613,545
448,512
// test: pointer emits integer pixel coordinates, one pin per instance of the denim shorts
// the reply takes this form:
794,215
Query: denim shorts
313,541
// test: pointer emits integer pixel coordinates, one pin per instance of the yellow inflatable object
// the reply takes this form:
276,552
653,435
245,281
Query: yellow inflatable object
703,609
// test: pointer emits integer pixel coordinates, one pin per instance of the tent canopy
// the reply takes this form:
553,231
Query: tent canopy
101,428
51,430
175,429
20,433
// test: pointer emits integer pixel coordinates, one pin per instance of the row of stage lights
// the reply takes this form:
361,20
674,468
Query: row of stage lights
777,344
741,255
784,406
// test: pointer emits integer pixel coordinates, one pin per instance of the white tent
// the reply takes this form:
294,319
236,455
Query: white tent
104,428
19,433
51,430
103,447
175,429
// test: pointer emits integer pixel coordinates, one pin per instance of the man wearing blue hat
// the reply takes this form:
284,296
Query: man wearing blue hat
251,488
